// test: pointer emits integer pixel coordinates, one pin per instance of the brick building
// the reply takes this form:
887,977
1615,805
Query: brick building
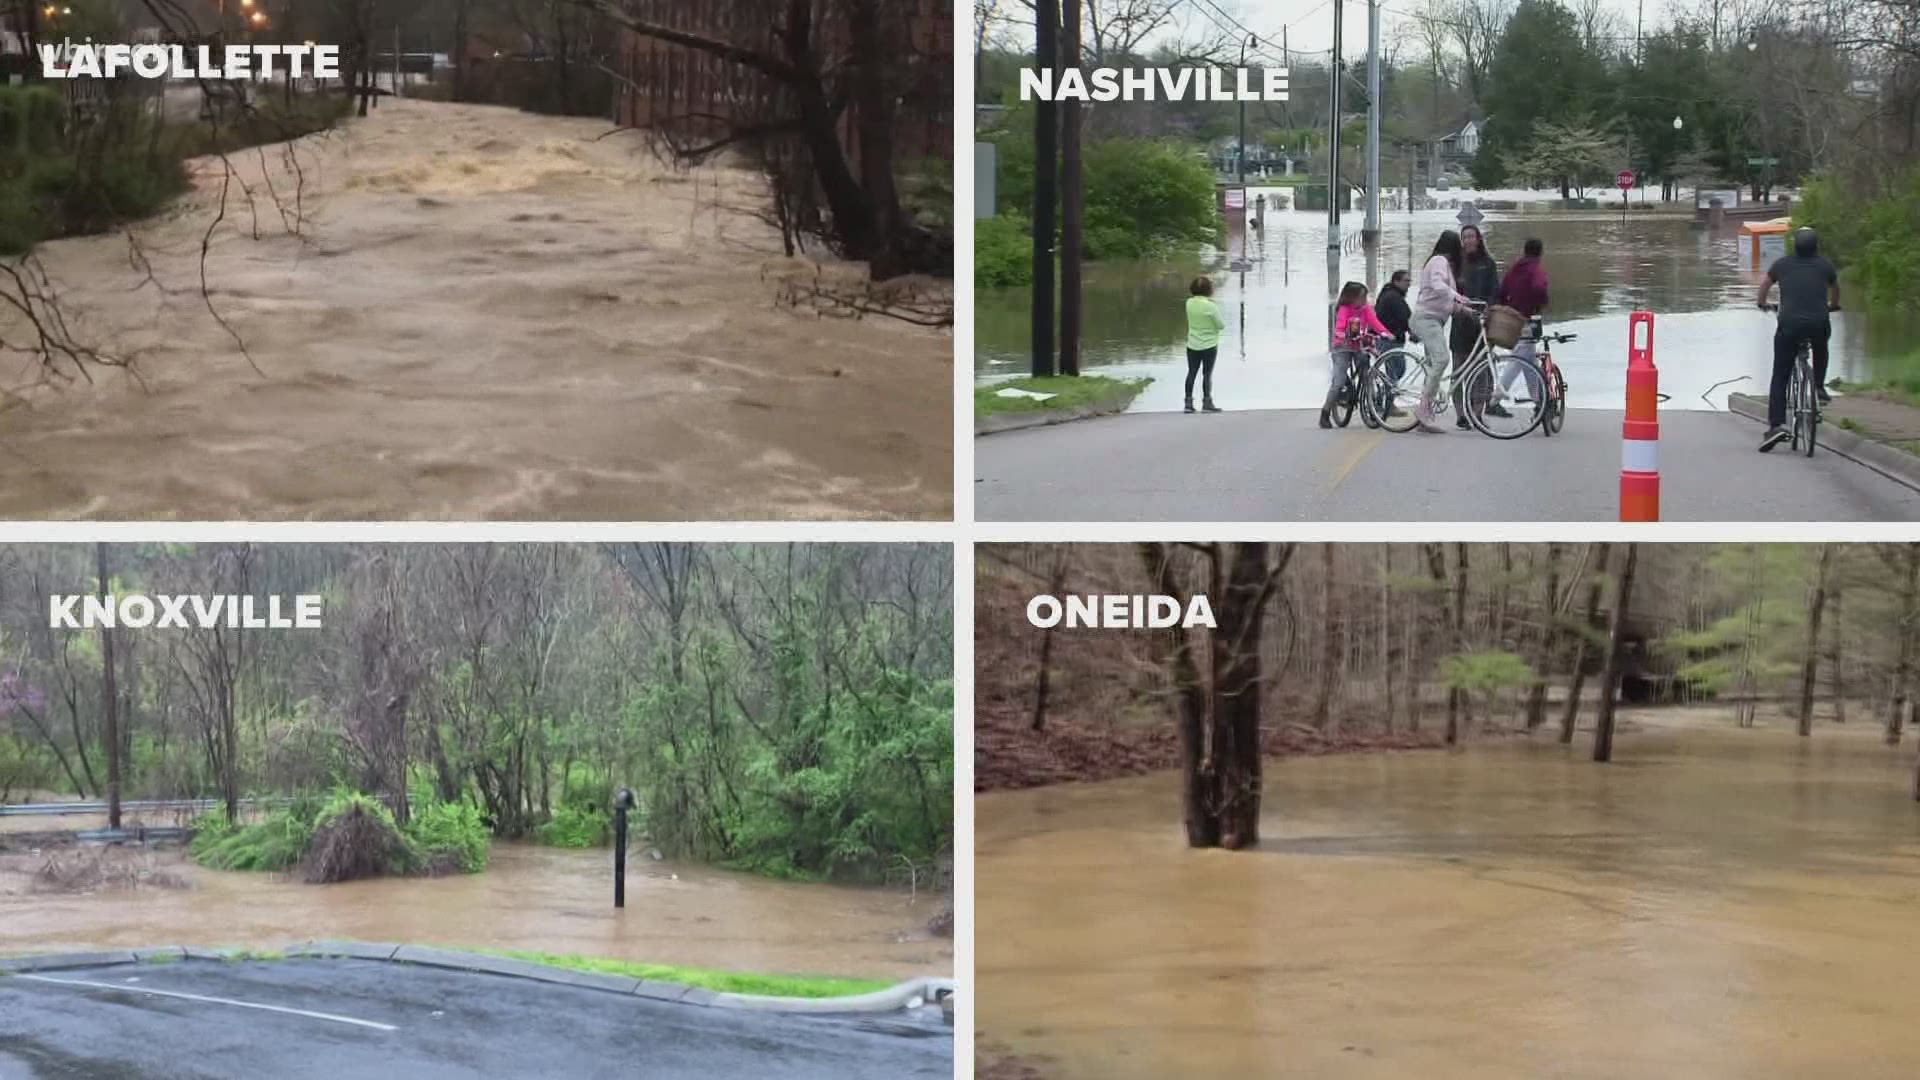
698,91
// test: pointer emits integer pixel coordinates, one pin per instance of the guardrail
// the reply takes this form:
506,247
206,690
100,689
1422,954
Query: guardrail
128,806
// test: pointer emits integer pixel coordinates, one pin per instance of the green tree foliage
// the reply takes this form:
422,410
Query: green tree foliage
1874,234
1144,198
1542,70
1755,647
782,707
1572,157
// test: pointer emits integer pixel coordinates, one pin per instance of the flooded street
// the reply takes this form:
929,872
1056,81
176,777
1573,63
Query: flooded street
491,314
1273,354
1716,903
529,898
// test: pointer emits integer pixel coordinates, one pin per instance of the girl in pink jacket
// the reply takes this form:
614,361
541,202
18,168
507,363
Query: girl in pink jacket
1352,317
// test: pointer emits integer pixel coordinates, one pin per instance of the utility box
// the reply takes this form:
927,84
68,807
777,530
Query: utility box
986,167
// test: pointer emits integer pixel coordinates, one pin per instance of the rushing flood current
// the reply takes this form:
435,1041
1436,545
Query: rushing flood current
1273,354
1715,903
487,314
531,898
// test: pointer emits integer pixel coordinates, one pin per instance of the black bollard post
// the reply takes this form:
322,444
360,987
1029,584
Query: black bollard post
621,802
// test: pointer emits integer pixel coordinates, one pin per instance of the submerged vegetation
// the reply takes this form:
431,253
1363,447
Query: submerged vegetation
348,836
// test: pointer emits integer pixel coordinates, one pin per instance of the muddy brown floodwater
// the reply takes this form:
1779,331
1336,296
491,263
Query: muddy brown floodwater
532,898
1716,903
490,314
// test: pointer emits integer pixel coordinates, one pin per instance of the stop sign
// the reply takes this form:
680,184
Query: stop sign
1624,180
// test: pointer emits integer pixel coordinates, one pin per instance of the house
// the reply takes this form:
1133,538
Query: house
1460,147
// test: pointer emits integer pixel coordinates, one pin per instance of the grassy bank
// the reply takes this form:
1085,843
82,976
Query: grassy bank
728,982
60,179
1070,392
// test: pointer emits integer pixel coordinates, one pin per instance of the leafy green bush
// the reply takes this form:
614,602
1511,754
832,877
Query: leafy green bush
1874,236
276,844
1002,251
576,827
450,834
355,837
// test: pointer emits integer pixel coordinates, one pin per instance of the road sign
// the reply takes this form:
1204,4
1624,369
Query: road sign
1470,215
1625,180
1763,161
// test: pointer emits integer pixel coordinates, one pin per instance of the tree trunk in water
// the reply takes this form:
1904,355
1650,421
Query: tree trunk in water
1571,717
1191,702
1810,665
1623,599
1323,697
1909,616
1386,631
1236,692
1836,657
1457,615
1548,640
109,697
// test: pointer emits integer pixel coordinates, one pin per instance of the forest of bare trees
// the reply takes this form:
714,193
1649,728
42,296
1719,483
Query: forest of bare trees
1453,641
786,708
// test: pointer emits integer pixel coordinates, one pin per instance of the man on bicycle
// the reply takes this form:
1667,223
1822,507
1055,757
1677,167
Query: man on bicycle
1809,290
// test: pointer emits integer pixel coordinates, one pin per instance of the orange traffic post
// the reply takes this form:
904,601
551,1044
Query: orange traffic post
1640,434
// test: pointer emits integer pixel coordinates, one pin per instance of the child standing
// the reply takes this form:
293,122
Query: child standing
1203,340
1352,315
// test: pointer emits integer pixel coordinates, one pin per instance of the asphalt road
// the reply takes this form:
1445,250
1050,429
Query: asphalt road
356,1018
1277,465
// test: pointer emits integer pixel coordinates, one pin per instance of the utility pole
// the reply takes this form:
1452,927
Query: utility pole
1046,57
1370,232
1072,201
1333,137
1240,152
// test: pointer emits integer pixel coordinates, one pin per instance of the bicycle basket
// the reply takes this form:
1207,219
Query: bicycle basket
1504,326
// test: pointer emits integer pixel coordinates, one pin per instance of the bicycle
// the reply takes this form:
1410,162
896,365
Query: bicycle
1556,383
1357,350
1803,403
1476,387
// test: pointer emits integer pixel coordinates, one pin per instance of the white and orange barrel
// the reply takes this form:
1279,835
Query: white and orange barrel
1640,434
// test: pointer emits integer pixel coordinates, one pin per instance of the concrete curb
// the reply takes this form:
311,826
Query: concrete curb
928,990
1896,465
993,425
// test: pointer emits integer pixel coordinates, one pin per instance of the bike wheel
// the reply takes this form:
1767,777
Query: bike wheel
1395,399
1505,396
1796,390
1812,404
1556,417
1344,404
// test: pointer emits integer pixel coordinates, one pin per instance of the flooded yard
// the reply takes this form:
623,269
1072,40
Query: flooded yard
529,898
487,314
1717,903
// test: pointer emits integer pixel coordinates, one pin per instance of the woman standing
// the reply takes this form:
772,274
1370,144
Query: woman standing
1479,279
1439,298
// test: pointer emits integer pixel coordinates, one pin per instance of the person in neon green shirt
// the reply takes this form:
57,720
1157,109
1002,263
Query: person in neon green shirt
1203,341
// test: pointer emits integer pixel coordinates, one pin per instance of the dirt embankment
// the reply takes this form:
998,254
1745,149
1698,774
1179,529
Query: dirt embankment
485,313
1106,715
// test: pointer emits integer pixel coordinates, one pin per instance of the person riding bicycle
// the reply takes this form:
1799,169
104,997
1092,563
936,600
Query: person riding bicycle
1809,290
1478,278
1352,317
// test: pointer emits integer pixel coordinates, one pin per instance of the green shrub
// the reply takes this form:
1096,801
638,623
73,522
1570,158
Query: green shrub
1873,235
276,844
1002,251
576,827
355,837
449,835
